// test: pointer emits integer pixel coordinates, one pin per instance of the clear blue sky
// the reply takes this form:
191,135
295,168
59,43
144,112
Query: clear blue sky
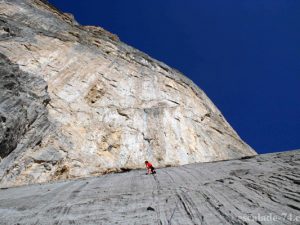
245,54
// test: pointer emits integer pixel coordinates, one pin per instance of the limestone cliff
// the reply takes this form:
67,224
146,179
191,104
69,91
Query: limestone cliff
263,190
75,101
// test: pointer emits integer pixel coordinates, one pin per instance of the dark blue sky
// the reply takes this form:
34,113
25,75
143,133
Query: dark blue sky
245,54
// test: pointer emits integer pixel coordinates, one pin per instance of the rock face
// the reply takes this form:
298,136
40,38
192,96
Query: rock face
260,190
22,107
108,106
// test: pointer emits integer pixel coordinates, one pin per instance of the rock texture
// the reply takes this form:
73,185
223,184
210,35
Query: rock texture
260,190
108,106
23,108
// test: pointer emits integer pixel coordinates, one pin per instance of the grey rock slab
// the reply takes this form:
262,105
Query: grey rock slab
48,155
258,190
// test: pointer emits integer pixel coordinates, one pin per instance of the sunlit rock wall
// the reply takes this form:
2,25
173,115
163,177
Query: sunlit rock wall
106,106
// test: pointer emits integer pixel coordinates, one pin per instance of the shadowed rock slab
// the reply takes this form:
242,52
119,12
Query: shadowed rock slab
259,190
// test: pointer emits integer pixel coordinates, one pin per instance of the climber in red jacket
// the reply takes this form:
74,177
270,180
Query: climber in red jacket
150,168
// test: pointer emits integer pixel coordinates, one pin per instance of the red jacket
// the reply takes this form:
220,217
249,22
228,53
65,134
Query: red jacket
148,165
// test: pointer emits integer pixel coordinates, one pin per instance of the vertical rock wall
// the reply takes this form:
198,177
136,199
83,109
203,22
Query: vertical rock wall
111,106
